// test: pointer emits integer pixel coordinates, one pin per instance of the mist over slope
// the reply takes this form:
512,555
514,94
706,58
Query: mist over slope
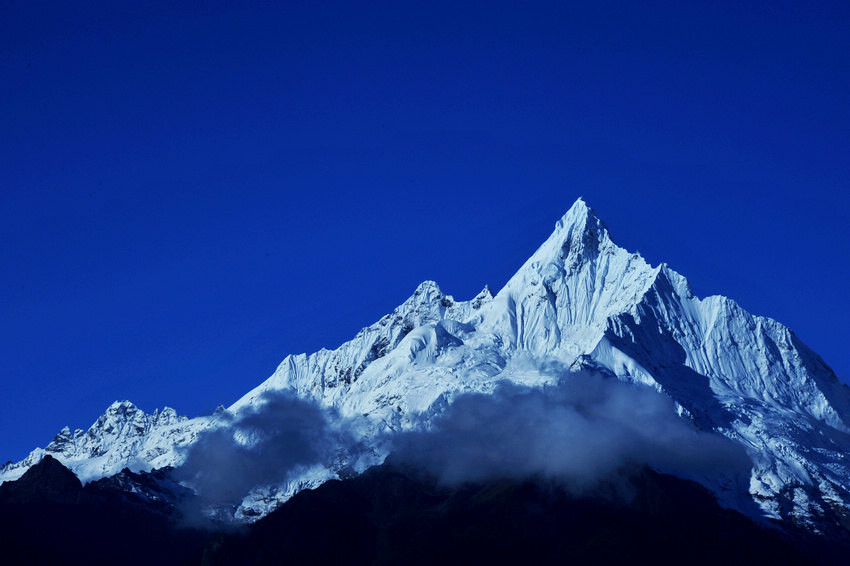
581,431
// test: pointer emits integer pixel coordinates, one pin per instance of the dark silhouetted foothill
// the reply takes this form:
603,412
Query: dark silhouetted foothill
48,517
399,515
46,482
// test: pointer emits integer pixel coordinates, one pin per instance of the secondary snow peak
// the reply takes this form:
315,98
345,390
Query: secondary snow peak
426,292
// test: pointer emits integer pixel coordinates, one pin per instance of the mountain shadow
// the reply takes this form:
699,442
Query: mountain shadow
48,517
393,514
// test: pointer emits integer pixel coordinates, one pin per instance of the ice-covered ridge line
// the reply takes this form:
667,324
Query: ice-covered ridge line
124,436
327,375
749,378
742,354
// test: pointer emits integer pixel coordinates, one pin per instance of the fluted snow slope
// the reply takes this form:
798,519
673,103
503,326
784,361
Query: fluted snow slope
580,300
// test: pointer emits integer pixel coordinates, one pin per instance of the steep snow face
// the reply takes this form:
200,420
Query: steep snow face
559,302
123,437
749,378
580,300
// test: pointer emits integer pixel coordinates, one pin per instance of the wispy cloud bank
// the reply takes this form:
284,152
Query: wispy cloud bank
263,447
585,428
581,430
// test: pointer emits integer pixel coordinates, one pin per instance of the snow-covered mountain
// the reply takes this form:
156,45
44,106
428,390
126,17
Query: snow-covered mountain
580,301
122,437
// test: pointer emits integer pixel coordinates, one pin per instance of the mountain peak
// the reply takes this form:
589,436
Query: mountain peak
579,213
427,295
122,407
426,288
580,229
578,238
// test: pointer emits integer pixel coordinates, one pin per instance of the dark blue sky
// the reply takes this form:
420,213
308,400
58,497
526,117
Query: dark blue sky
187,194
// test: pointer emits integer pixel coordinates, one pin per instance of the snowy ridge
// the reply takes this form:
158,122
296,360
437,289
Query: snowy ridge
579,300
749,378
123,437
328,374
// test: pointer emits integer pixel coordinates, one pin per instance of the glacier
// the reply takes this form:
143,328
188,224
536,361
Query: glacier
580,301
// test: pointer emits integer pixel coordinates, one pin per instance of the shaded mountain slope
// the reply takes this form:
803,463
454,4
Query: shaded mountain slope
394,515
48,517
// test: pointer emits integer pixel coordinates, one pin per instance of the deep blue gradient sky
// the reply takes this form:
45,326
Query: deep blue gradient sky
188,194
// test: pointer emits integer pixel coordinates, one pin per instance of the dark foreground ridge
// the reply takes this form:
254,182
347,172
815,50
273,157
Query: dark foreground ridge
394,515
48,517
